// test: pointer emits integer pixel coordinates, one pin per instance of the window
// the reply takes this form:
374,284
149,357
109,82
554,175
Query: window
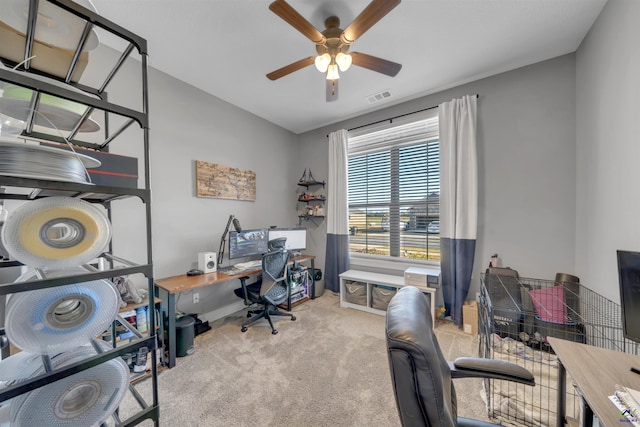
394,191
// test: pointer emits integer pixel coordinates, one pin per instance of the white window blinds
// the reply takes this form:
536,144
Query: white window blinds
394,190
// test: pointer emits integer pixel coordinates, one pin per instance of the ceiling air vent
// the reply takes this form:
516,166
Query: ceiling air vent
380,96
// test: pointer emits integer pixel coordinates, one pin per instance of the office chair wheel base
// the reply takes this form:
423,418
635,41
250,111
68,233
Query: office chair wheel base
293,318
244,329
275,331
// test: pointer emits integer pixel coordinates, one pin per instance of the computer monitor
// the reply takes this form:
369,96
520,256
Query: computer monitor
629,277
296,237
248,243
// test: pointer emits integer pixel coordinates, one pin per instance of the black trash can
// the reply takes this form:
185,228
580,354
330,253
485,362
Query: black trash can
318,283
184,336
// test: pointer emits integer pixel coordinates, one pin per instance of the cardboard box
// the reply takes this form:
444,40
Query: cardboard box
416,276
49,59
115,171
470,317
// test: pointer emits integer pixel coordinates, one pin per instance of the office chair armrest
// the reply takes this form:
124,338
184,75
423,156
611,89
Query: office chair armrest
245,292
476,367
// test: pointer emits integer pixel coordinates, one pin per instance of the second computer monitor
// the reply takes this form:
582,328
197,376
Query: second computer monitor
296,237
248,243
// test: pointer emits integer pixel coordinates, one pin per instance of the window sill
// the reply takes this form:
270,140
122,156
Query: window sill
375,262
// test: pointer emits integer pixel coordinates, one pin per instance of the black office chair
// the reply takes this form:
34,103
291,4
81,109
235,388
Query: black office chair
271,290
421,377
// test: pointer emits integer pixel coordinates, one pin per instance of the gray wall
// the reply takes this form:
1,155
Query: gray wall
527,169
607,147
188,124
214,131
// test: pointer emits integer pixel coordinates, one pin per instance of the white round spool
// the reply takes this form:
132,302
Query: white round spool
52,320
19,366
79,400
43,162
56,233
55,27
53,112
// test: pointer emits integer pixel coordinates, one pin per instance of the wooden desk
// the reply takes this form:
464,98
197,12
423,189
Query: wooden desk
595,371
168,287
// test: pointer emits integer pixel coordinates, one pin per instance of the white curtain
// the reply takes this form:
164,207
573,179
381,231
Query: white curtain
337,255
458,200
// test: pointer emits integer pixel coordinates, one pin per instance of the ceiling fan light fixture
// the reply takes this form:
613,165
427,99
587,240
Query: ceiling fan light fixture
344,61
332,72
332,46
322,62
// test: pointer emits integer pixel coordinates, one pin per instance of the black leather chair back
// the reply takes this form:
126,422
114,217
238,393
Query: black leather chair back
424,392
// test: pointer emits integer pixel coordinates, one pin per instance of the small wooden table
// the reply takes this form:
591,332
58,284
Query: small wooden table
170,286
595,371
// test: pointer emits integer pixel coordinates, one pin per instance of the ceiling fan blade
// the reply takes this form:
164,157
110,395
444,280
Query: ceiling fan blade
288,69
331,90
375,11
289,14
375,64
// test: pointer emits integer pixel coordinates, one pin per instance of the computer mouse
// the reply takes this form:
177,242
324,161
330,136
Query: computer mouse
194,272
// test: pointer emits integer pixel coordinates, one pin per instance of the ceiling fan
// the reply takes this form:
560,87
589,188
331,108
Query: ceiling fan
332,44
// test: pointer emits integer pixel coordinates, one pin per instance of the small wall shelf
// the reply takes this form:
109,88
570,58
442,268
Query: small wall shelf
312,198
311,183
313,209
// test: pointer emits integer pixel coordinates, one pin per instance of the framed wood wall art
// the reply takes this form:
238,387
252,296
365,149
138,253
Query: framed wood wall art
224,182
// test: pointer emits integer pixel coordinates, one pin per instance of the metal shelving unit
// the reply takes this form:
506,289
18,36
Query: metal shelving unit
28,189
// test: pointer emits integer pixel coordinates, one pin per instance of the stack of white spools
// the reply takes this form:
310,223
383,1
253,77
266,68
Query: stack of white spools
54,237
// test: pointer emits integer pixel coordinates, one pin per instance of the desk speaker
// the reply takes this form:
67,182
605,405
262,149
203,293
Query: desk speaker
207,262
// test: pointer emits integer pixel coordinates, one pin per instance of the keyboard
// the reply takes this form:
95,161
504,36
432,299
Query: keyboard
225,269
241,267
249,265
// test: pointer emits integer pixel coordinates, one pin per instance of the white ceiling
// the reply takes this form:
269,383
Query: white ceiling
225,47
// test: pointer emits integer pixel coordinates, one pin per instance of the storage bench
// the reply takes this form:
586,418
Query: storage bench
371,292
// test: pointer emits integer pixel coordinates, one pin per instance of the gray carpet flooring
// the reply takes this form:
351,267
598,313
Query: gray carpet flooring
327,368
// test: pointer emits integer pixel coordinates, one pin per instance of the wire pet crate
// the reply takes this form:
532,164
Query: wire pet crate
516,315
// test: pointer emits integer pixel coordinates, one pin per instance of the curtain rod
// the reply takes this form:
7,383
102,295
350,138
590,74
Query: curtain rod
391,119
